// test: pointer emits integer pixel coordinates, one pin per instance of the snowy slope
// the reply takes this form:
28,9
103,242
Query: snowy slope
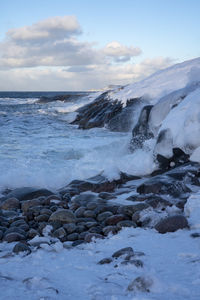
161,83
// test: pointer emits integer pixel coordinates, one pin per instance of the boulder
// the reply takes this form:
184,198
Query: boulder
171,224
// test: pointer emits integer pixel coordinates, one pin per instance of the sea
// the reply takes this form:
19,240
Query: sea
40,148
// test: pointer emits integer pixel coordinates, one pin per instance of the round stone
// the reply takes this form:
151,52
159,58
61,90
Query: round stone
20,247
63,215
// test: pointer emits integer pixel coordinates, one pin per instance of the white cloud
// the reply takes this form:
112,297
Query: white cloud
49,55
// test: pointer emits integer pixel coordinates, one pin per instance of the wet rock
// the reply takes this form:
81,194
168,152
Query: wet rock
103,216
141,284
162,185
92,236
129,210
110,229
28,204
126,223
32,233
73,236
171,224
70,227
28,193
136,262
63,216
10,203
13,237
59,233
42,218
21,247
104,261
113,220
123,251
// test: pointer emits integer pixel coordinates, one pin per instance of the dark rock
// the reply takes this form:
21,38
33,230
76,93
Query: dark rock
13,237
79,212
80,228
141,131
101,217
15,230
171,224
107,196
195,235
77,242
96,229
28,193
126,223
141,284
32,233
21,247
91,224
18,223
123,251
92,205
136,262
73,236
83,234
110,229
89,214
59,233
104,261
1,234
10,203
163,185
42,218
45,211
129,210
29,203
113,220
70,227
63,216
91,236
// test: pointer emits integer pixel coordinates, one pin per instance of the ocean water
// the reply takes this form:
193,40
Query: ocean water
38,146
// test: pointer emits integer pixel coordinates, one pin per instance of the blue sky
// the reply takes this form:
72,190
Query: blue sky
165,32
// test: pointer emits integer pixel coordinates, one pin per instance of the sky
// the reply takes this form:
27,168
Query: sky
87,44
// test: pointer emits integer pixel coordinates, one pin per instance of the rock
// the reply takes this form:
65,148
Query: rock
59,233
42,218
21,247
97,229
129,210
162,185
63,216
123,251
141,284
32,233
91,205
141,131
126,223
77,242
70,227
101,217
10,203
28,193
79,212
107,196
73,236
195,235
45,211
91,236
171,224
136,262
1,234
91,224
15,230
13,237
104,261
113,220
29,203
110,229
89,214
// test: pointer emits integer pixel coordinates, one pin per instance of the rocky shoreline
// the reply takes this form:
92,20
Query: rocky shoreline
87,210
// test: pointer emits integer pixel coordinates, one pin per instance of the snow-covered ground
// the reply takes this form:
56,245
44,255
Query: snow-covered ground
171,266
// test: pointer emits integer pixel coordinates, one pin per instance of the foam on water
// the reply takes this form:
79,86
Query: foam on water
40,148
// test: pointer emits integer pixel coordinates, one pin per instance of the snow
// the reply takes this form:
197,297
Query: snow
161,83
171,262
192,210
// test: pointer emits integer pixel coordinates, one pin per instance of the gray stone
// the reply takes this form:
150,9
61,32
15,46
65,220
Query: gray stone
129,210
123,251
102,216
11,203
104,261
91,224
32,233
89,214
45,211
126,223
141,284
15,230
110,229
79,212
69,228
171,224
20,247
73,236
113,220
59,233
77,242
42,218
63,215
13,237
29,203
28,193
91,205
91,236
18,223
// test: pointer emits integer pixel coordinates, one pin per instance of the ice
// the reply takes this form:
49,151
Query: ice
192,210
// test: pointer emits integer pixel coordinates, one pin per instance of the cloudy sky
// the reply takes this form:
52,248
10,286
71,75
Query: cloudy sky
88,44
